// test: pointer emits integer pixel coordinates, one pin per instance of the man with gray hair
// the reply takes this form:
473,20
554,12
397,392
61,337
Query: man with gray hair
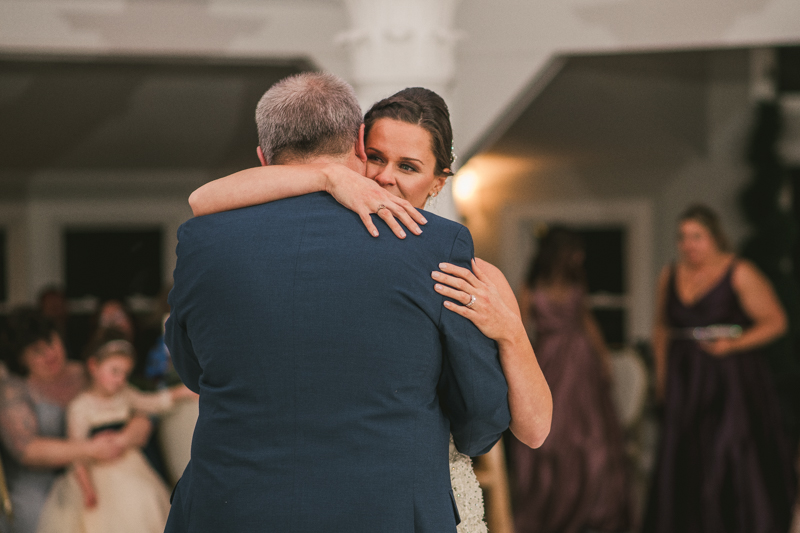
309,116
322,357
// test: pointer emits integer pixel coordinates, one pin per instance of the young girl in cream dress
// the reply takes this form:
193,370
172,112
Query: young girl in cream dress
125,495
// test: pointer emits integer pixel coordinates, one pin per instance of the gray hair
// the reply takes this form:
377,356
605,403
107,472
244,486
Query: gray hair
307,115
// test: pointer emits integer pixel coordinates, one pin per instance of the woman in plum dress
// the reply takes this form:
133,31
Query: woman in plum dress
723,464
578,479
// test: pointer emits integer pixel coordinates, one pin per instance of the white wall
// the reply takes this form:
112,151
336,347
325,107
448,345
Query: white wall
509,41
710,167
718,176
506,43
35,225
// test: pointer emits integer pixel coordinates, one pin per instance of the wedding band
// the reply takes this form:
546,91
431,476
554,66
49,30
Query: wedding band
472,301
379,208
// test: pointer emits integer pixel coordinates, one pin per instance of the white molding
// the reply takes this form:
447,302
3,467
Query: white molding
395,44
48,218
636,215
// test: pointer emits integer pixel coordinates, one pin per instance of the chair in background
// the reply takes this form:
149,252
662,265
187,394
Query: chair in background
175,434
490,469
629,380
630,387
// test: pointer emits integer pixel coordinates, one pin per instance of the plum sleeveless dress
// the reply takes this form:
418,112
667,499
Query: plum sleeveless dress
579,478
723,463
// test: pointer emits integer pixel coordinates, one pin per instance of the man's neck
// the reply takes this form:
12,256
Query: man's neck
351,161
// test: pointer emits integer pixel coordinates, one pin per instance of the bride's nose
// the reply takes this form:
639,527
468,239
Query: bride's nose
385,177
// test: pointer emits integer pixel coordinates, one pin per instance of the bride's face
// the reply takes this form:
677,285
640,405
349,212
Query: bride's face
400,159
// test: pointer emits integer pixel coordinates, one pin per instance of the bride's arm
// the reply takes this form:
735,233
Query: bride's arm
496,313
274,182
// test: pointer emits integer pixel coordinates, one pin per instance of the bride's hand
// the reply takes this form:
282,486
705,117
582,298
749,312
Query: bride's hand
364,196
488,311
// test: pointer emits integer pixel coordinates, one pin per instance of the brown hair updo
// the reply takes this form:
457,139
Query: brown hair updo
556,257
708,218
424,108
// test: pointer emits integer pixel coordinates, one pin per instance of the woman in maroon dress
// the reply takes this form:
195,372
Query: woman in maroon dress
578,479
723,465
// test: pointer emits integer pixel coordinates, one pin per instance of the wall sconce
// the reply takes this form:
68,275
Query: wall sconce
465,185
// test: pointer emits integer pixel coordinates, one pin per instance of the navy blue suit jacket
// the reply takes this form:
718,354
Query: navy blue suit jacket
330,374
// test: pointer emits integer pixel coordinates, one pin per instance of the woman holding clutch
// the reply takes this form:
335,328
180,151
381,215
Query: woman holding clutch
723,464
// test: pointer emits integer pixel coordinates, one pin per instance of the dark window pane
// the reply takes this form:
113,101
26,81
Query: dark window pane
605,259
794,175
3,269
789,69
612,324
113,263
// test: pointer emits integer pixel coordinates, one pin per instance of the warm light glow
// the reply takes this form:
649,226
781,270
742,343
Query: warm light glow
465,185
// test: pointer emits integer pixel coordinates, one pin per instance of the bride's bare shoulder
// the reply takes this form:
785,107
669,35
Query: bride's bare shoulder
494,273
498,279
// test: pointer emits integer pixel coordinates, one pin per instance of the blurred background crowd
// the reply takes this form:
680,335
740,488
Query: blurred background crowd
632,166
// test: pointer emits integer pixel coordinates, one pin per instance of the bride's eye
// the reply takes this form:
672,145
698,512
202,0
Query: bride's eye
374,158
407,167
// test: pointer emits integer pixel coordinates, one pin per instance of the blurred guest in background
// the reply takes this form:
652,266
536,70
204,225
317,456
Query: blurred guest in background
52,305
723,465
125,495
578,479
32,406
112,314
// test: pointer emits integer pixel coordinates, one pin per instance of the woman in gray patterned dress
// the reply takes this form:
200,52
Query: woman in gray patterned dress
32,406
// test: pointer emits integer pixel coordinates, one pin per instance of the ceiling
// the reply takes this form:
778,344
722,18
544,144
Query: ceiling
134,114
601,113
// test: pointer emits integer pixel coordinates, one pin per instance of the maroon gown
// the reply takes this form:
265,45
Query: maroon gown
578,479
723,464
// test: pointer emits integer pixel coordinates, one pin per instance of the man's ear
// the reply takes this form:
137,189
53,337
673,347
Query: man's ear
361,151
261,157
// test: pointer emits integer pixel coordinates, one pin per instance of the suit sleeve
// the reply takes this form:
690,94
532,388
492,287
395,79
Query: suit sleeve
472,388
176,336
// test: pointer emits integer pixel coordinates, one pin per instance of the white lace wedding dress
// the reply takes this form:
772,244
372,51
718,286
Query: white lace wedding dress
469,496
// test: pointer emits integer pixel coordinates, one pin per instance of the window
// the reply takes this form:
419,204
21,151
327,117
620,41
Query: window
113,263
605,276
618,237
789,69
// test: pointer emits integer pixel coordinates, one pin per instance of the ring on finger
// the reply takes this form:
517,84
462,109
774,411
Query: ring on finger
472,299
379,208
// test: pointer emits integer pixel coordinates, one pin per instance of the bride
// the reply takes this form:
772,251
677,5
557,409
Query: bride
408,140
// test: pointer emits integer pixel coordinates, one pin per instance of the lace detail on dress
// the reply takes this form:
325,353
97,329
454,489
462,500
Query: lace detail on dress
469,496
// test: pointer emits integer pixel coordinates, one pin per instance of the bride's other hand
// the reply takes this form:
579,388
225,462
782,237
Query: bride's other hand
496,313
489,313
363,196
